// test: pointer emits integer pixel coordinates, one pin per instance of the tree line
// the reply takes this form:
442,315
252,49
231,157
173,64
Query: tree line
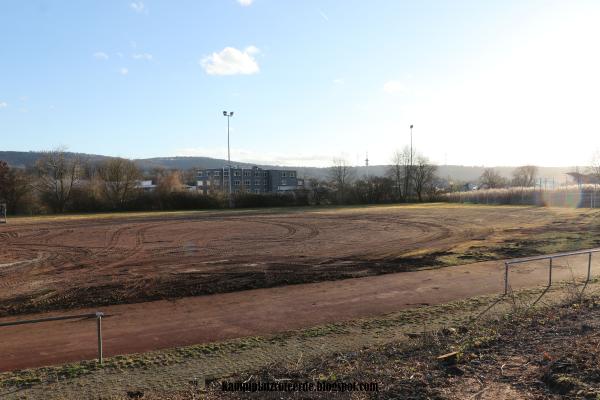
524,176
525,187
60,182
411,177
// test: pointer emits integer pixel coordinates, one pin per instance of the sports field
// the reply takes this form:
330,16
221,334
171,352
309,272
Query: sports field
119,263
68,262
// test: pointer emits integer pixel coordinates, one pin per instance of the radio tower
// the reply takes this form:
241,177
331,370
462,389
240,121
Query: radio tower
367,164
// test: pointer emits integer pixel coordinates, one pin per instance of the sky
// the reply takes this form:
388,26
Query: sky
483,82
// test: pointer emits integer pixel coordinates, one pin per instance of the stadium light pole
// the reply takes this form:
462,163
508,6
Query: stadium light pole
411,148
410,168
229,115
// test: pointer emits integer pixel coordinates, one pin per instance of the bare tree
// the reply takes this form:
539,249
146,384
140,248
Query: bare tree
14,186
399,172
424,176
361,191
381,189
491,179
595,167
57,174
319,190
409,155
4,171
341,176
525,176
118,180
169,181
190,176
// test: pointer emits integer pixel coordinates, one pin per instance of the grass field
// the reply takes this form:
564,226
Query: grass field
63,262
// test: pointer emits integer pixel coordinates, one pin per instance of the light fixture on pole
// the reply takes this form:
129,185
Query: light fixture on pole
229,115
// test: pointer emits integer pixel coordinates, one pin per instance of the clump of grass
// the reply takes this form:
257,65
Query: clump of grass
324,331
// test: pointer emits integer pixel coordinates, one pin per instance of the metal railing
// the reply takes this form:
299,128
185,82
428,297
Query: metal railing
98,315
550,258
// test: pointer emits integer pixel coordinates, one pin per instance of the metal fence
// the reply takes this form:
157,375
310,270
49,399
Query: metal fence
574,196
98,315
550,259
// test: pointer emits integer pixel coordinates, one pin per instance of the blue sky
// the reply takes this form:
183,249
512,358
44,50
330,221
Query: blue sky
484,82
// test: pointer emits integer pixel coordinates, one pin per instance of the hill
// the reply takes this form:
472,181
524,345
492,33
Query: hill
26,159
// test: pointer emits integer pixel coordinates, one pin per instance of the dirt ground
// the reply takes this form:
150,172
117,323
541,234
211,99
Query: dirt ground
165,324
396,350
71,262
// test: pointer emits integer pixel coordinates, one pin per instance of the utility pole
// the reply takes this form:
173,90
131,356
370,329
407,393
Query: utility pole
229,115
367,179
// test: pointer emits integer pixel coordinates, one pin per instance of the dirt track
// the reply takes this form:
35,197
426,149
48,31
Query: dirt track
141,327
71,262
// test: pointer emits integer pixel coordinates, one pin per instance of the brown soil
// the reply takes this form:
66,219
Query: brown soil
82,262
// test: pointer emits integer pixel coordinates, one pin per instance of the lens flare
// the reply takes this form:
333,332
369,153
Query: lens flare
570,197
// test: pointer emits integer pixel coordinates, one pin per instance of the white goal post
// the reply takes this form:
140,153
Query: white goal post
3,213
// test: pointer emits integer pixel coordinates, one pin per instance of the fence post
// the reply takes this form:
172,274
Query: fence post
589,266
505,278
550,274
99,316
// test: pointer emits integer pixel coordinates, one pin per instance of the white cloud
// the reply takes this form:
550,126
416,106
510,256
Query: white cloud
245,3
393,87
339,81
252,50
3,104
138,6
124,71
142,56
231,61
100,55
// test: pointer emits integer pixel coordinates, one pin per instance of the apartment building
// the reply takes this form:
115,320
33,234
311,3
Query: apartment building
253,180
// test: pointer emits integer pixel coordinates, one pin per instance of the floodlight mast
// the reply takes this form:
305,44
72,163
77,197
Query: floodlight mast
411,147
229,115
